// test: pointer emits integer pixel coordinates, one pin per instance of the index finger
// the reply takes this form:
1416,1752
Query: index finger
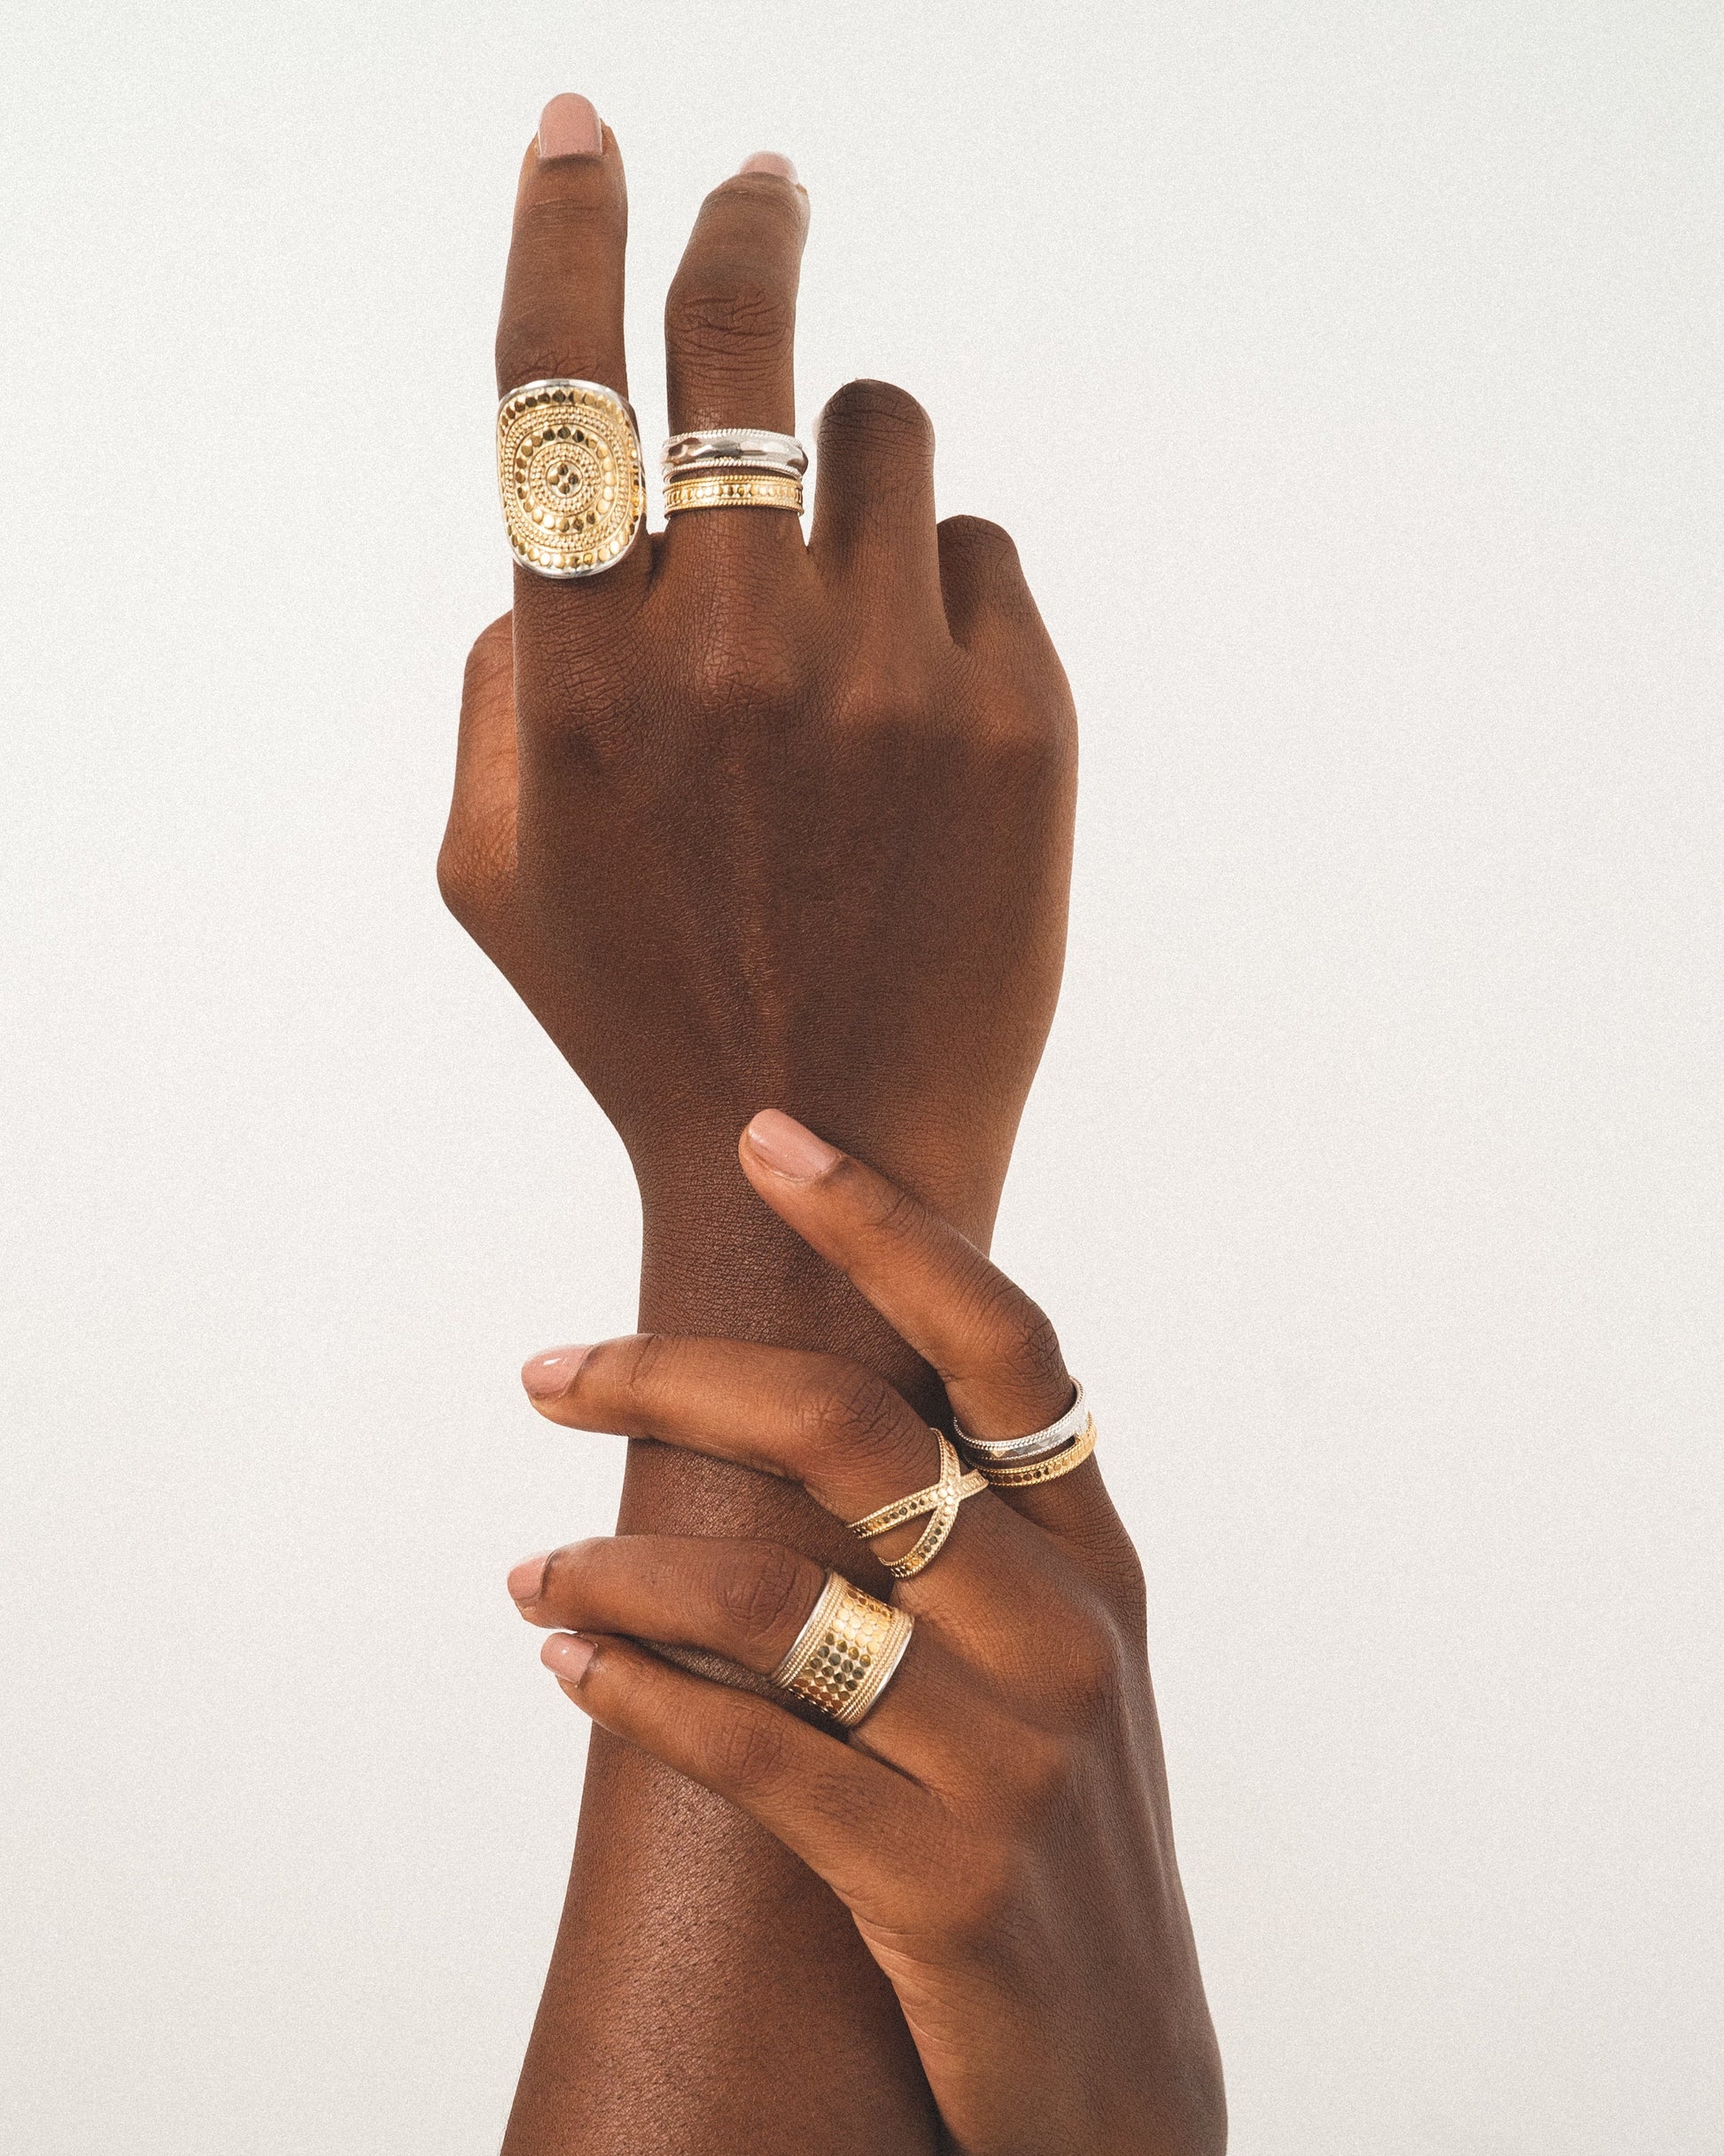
562,318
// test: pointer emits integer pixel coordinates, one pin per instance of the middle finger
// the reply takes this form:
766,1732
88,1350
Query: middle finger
730,328
833,1425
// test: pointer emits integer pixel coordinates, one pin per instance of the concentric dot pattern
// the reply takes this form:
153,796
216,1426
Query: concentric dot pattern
569,468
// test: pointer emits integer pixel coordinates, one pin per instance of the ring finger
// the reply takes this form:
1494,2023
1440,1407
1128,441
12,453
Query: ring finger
746,1600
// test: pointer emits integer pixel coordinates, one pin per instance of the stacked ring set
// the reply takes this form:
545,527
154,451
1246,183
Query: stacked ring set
845,1655
570,471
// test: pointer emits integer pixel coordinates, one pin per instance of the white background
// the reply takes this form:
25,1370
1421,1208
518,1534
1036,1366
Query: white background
1349,375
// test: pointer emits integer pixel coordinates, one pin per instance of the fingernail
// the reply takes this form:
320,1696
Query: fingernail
790,1148
569,127
546,1376
769,160
526,1582
566,1655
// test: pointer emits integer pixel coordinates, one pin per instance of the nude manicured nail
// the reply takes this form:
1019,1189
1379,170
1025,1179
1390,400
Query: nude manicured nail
566,1654
546,1375
526,1582
569,127
789,1148
769,160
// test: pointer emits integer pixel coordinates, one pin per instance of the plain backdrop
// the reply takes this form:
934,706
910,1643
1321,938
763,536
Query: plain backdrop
1349,375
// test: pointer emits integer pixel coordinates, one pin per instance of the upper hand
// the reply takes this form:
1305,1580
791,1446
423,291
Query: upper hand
749,816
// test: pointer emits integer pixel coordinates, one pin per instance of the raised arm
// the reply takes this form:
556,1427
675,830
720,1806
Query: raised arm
747,819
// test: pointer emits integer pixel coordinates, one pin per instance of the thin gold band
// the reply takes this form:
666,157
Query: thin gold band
735,489
1045,1470
901,1510
847,1653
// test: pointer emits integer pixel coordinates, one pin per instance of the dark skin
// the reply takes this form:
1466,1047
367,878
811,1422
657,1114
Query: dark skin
753,818
998,1827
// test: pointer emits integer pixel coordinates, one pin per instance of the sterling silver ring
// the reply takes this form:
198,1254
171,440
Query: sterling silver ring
997,1452
732,450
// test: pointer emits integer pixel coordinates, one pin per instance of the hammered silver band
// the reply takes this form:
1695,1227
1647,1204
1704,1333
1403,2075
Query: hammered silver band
1019,1451
732,450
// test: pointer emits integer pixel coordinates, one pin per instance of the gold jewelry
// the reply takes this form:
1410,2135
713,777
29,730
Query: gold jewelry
733,490
847,1653
942,1499
569,470
1039,1445
1045,1470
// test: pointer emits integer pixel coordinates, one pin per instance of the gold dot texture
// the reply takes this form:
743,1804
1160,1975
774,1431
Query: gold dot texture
569,470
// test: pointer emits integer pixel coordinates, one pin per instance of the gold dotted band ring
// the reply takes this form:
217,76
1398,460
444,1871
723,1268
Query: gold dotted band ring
941,1499
1039,1445
733,489
569,469
847,1654
1045,1470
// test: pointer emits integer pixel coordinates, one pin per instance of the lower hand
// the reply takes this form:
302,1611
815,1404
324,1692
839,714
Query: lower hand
999,1826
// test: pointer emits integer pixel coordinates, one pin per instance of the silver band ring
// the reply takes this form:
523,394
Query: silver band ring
1002,1451
734,448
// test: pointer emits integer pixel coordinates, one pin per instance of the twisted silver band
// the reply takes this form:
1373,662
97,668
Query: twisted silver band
1007,1451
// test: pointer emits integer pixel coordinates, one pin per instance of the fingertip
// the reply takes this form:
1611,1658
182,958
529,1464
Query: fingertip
567,1657
569,127
526,1581
548,1377
788,1149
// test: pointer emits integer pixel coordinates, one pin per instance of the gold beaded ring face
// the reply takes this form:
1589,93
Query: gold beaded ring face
569,470
846,1654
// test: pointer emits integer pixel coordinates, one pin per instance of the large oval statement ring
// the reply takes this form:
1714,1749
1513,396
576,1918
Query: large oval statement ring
569,469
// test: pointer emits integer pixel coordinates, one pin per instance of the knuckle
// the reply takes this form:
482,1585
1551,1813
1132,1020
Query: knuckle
985,1889
474,865
1023,1336
1089,1664
724,311
739,677
491,659
854,1409
626,1370
880,414
761,1593
889,1212
459,878
980,540
540,346
745,1748
1041,1770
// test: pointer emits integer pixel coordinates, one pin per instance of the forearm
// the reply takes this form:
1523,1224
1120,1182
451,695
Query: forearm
707,1993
